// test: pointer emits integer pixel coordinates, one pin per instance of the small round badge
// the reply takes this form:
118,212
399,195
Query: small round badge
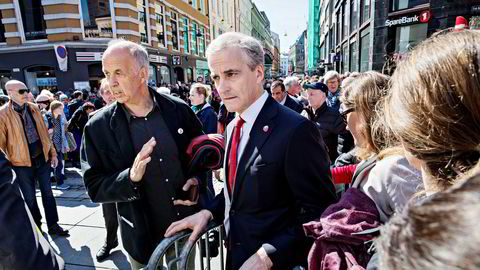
265,129
180,131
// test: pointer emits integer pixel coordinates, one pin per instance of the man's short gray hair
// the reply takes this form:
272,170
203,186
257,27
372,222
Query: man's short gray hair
250,46
290,81
136,50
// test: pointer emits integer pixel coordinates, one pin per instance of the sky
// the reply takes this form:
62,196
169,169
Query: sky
285,16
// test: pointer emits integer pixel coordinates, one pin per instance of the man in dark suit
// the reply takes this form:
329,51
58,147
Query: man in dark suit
22,245
277,169
121,160
282,97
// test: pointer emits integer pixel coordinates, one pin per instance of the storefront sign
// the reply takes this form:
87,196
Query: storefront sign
158,59
89,56
422,18
81,85
16,70
176,60
46,82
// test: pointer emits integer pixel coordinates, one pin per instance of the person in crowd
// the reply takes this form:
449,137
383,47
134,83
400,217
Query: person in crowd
64,99
43,102
224,118
134,153
97,100
281,96
22,245
163,90
294,89
332,80
76,124
57,125
199,93
327,119
3,100
105,92
30,97
24,138
76,103
278,174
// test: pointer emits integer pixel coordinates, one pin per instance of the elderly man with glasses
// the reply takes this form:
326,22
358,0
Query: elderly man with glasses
24,138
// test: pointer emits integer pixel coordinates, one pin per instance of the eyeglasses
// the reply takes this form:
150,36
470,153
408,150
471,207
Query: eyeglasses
345,113
23,91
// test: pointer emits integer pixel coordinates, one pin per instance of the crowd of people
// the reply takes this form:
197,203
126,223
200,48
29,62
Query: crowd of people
341,171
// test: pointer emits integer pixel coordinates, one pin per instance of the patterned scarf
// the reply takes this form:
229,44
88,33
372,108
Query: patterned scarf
28,122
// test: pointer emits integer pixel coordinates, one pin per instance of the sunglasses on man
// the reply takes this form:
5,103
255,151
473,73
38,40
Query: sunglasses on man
23,91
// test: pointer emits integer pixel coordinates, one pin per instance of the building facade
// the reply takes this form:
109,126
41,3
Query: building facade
276,54
361,35
284,64
243,16
222,18
313,31
300,53
175,33
261,31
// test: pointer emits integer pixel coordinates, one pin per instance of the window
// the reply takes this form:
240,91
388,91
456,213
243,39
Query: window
2,30
353,15
365,12
97,21
193,3
202,6
186,32
160,25
404,4
213,31
164,75
201,45
322,54
173,21
354,56
338,26
345,58
194,38
32,18
142,18
344,20
364,50
407,37
152,75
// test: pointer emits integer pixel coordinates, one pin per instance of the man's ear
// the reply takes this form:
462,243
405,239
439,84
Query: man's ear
260,73
143,74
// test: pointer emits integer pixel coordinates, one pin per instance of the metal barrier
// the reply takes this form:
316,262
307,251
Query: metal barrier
181,256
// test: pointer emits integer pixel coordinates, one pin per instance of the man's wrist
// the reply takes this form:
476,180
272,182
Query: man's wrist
207,214
263,255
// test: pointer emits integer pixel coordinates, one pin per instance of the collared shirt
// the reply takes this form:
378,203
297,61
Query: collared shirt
283,100
250,115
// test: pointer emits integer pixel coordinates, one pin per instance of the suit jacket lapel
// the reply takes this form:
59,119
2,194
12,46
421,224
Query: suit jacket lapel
119,125
261,130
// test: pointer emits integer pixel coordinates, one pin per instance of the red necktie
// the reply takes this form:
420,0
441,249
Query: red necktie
232,159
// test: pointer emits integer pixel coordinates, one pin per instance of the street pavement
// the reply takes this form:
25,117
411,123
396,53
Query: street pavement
85,222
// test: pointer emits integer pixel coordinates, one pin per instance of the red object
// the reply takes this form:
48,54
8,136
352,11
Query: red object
425,16
232,159
343,174
461,24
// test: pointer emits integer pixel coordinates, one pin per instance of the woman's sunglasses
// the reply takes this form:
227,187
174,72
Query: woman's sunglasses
345,113
23,91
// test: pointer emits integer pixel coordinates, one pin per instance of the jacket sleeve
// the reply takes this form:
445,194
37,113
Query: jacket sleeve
338,126
210,123
103,186
309,178
3,135
22,245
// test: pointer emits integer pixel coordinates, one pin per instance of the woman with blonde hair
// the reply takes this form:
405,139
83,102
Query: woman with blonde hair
199,94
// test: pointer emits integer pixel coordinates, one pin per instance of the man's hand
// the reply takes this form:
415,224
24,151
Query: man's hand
197,223
141,160
192,188
54,162
258,261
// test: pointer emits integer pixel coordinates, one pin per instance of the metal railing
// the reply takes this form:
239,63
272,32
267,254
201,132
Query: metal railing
182,254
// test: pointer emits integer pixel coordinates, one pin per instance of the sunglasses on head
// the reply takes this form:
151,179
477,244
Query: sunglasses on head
23,91
345,113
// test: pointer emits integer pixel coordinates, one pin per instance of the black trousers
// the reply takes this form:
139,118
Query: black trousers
111,223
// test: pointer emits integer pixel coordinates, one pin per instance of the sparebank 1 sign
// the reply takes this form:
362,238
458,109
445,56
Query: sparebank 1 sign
422,18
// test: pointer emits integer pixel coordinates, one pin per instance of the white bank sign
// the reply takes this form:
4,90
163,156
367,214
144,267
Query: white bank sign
402,20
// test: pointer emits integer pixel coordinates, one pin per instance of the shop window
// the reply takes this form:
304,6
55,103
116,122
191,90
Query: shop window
152,76
353,15
201,41
365,11
194,38
364,49
353,56
404,4
40,78
345,58
409,36
142,18
2,30
160,23
186,34
190,74
164,74
32,18
97,20
173,21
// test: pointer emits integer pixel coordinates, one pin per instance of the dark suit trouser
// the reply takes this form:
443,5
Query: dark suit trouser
40,171
111,223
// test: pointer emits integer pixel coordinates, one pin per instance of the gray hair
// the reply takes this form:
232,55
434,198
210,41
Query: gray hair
290,81
137,51
251,47
163,90
332,74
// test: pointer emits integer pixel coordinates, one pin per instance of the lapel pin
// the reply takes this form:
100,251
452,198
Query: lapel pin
180,131
265,129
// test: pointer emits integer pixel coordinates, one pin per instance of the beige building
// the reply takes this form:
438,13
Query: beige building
221,14
175,32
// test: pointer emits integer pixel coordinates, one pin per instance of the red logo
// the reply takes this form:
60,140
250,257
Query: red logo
425,16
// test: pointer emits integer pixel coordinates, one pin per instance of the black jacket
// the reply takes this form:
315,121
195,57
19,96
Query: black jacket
78,121
293,104
21,244
73,106
283,180
107,154
208,117
330,124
